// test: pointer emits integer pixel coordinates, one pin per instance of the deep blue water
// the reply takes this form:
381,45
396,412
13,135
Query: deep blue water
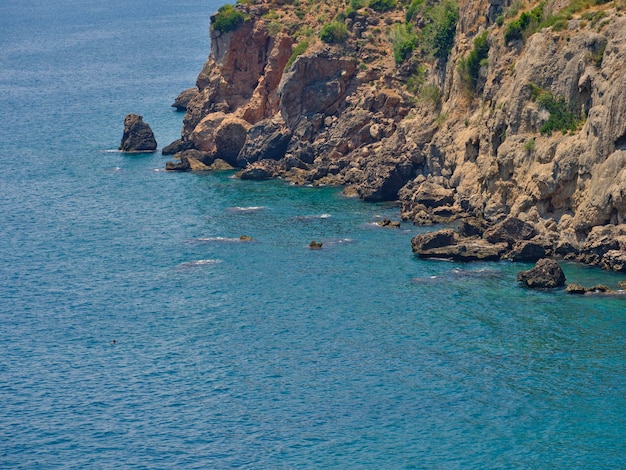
137,332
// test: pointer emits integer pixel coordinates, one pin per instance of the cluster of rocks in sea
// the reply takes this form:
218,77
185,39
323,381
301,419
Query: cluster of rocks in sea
518,240
548,274
479,161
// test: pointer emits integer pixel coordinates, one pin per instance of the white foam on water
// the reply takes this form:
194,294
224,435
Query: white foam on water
218,239
245,209
313,217
200,262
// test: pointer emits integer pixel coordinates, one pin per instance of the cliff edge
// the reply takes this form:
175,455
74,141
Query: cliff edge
488,110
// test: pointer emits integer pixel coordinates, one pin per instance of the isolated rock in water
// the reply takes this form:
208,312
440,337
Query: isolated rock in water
576,289
138,136
316,245
388,223
546,274
183,99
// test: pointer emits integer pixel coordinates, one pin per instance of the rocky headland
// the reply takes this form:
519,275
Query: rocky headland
505,120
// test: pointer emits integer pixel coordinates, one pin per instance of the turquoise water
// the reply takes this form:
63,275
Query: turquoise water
137,332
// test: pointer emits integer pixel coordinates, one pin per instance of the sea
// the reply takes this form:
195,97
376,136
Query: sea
138,331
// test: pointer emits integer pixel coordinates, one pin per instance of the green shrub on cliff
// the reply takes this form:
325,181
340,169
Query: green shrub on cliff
527,23
564,116
227,19
382,5
300,49
404,41
438,34
334,33
469,67
414,7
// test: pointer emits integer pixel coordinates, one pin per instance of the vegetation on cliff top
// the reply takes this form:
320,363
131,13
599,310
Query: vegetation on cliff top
227,19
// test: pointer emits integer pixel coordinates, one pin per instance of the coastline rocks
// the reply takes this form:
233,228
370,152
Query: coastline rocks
184,98
577,289
447,244
176,147
138,136
342,114
547,274
221,135
605,246
266,139
261,170
510,239
510,231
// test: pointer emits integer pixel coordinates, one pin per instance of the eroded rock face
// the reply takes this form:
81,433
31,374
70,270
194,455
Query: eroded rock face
315,84
266,139
138,136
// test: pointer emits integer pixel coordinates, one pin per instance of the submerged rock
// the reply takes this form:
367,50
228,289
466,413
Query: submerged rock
388,223
138,136
316,245
546,274
597,289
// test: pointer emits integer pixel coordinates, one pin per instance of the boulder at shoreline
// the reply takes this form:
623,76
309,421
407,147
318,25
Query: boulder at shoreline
547,274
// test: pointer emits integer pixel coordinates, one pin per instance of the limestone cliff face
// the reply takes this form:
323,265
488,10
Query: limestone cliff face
416,128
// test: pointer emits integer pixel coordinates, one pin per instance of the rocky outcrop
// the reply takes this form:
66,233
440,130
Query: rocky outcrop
547,274
184,98
447,244
483,151
266,139
138,136
511,239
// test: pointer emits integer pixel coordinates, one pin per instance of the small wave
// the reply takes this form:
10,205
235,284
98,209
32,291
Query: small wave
245,209
111,151
339,241
425,280
200,262
313,217
243,238
478,273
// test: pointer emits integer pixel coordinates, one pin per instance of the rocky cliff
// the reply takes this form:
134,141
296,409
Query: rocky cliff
485,109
